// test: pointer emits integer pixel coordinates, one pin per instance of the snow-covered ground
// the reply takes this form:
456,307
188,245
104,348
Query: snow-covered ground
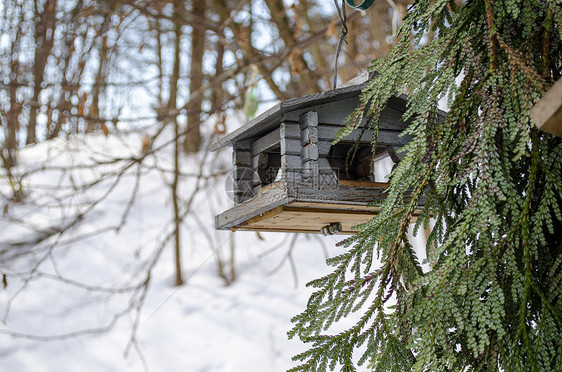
200,326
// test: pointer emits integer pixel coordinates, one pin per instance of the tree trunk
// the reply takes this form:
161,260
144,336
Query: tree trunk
44,39
70,83
94,111
12,125
193,138
172,105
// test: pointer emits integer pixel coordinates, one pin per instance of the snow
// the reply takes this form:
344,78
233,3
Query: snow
85,280
200,326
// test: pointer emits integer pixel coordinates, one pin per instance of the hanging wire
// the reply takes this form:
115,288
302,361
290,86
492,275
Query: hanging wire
343,37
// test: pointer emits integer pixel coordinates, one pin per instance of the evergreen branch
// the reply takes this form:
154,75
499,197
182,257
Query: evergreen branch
493,35
491,298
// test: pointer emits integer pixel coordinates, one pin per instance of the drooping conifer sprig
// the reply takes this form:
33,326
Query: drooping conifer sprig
490,183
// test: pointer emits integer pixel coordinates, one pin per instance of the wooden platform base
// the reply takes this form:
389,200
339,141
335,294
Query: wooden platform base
297,217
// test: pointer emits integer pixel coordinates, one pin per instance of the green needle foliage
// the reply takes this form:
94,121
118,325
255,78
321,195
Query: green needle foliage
492,183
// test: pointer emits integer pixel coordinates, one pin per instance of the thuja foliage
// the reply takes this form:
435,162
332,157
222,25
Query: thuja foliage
490,298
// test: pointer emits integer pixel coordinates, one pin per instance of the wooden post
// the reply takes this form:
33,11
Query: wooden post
308,123
290,153
547,112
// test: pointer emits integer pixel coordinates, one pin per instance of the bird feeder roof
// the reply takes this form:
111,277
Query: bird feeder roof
272,118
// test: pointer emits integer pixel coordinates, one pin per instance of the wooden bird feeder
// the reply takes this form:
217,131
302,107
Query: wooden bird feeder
288,176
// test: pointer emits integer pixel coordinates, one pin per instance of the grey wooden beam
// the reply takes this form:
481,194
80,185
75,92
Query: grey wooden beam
324,148
271,198
290,130
309,152
336,113
385,137
302,192
308,119
266,143
290,146
243,145
290,162
291,168
241,158
309,135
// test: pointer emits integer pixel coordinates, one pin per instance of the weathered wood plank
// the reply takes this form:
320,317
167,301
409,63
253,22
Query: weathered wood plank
336,114
268,229
309,135
243,145
385,137
311,217
324,148
339,206
308,119
321,207
307,228
290,162
353,183
241,158
264,216
290,146
266,143
309,153
307,218
332,108
291,168
290,130
343,194
272,198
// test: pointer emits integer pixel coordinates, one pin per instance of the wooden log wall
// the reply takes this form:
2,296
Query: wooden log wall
242,175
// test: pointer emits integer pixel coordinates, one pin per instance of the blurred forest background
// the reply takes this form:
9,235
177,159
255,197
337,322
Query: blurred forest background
70,67
75,68
78,67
